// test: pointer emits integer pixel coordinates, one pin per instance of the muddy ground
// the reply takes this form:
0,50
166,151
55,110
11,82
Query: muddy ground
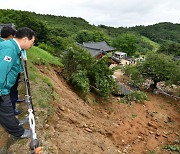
96,126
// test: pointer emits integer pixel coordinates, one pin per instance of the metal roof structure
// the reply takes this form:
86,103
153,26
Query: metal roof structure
123,89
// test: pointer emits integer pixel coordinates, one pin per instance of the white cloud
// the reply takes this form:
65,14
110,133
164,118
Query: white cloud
108,12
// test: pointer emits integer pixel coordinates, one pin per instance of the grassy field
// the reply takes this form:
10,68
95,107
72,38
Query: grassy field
41,57
154,44
42,89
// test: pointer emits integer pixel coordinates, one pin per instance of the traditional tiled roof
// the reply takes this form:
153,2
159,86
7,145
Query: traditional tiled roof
98,46
93,52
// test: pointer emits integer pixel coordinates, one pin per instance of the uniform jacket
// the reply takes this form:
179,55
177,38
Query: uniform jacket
1,39
10,65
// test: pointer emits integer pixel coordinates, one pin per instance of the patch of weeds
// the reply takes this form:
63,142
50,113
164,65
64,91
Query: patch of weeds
42,91
97,101
122,101
45,148
137,96
151,152
174,148
32,72
50,110
48,82
22,142
43,103
55,95
133,116
42,113
109,109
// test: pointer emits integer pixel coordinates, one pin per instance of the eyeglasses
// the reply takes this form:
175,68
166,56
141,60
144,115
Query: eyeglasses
32,41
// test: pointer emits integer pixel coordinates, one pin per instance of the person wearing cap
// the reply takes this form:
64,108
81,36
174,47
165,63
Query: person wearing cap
10,66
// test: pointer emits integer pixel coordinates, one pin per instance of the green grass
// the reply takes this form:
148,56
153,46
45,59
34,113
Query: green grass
154,44
41,57
42,89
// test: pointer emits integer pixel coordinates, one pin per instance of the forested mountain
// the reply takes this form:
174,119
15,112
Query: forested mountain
71,24
159,32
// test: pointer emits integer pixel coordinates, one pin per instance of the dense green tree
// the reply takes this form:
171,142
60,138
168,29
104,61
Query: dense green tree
84,36
99,36
170,47
25,19
112,31
159,67
156,67
126,42
136,80
81,82
75,59
38,26
58,31
91,36
101,77
160,32
82,70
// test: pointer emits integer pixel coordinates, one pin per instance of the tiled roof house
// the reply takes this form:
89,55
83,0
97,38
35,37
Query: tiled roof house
97,49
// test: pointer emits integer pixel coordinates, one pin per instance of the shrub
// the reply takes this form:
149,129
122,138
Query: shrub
81,82
135,76
46,47
83,71
76,59
137,96
101,77
172,148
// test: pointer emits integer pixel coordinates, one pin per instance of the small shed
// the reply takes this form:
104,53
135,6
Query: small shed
118,56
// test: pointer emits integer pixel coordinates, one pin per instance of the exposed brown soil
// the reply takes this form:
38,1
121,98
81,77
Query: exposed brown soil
96,126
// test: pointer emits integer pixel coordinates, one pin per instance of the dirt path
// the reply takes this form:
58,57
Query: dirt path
79,127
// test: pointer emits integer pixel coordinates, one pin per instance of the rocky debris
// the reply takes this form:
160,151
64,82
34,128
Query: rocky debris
152,125
88,130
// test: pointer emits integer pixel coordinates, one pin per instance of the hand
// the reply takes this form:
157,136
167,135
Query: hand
38,150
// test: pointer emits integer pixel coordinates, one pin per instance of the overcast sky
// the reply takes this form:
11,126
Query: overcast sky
114,13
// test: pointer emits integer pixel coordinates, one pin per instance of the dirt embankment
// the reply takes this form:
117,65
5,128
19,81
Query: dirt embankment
93,127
